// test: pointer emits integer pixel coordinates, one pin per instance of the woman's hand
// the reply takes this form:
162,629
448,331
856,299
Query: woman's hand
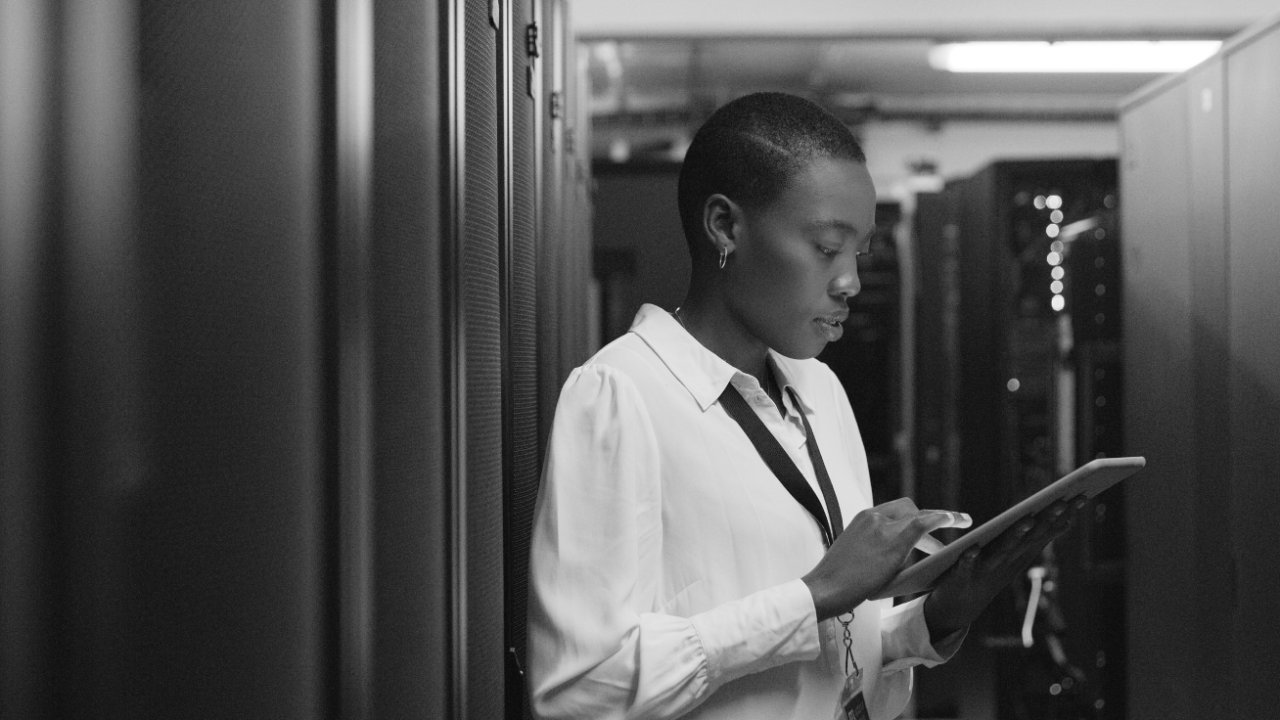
870,551
968,587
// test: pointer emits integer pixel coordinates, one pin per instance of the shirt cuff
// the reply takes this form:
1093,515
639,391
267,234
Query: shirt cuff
762,630
906,641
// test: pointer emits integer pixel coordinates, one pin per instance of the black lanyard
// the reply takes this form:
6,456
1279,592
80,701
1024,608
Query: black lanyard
773,454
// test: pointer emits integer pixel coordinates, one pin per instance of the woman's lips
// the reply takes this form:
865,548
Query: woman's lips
831,327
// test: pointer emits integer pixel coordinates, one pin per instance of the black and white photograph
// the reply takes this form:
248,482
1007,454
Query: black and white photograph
643,360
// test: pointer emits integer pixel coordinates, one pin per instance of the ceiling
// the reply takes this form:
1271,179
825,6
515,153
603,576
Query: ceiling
657,68
915,18
640,80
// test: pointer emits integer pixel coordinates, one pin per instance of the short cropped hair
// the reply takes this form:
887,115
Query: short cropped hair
751,148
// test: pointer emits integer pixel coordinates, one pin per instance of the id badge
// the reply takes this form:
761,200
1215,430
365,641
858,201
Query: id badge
853,706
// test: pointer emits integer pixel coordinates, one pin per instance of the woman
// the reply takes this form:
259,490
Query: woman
691,555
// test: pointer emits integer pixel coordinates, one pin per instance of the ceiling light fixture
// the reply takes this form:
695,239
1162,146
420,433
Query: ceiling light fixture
1075,56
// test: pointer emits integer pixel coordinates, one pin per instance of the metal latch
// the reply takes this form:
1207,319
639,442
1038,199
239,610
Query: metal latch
531,41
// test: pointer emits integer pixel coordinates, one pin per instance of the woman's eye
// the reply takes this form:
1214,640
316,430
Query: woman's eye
829,252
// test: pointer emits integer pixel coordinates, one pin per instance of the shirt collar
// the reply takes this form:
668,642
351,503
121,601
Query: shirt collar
787,375
703,373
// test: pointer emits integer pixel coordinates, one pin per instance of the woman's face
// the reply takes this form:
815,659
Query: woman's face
794,264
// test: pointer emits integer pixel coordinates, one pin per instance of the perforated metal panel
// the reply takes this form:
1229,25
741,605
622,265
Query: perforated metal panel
482,318
412,633
225,566
552,243
522,317
160,316
177,321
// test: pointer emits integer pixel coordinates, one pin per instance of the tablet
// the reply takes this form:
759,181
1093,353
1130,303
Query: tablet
1088,480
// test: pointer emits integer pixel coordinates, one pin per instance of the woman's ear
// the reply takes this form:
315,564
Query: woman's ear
721,223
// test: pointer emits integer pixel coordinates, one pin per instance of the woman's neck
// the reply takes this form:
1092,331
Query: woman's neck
713,325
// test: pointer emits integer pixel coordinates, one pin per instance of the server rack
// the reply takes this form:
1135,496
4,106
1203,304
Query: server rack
413,639
867,359
1002,338
269,347
519,297
1202,374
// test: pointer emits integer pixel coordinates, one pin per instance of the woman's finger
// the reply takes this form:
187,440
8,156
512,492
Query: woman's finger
936,519
954,519
1022,543
926,521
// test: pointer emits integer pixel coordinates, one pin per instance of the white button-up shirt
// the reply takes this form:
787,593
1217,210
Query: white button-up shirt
666,558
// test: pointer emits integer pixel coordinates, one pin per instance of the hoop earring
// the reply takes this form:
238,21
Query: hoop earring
724,255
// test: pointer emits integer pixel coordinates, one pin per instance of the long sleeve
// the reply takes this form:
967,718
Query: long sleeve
599,645
904,644
905,640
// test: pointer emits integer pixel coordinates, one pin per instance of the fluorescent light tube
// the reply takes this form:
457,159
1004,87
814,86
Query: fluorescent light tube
1076,56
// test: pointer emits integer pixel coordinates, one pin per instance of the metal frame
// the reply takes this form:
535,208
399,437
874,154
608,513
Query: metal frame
506,251
349,335
453,207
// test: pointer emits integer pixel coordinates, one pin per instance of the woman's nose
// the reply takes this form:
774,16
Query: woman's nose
847,284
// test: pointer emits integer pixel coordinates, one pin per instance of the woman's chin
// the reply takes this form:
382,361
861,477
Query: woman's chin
806,350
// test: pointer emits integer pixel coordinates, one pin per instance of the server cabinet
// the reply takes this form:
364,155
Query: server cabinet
564,248
1158,344
551,122
1253,216
545,274
521,433
268,351
414,642
1199,164
1204,105
480,287
937,364
867,361
165,489
1017,350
